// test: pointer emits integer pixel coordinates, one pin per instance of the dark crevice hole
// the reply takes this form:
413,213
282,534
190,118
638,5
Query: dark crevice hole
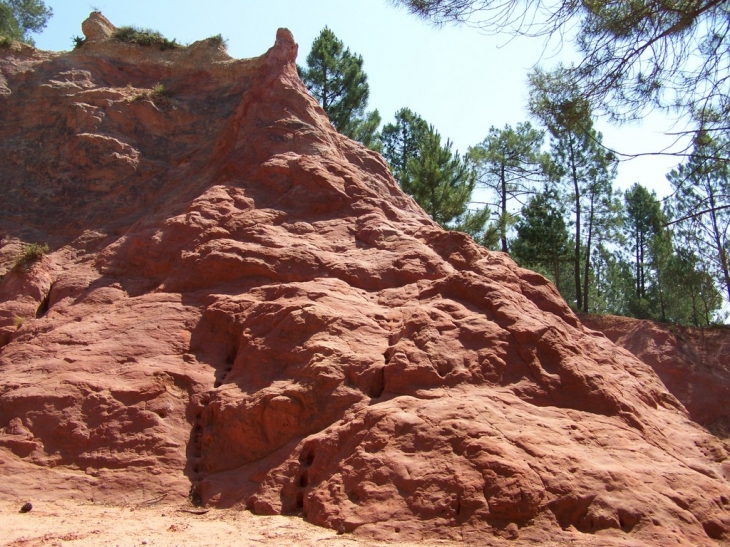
43,307
378,384
307,458
195,498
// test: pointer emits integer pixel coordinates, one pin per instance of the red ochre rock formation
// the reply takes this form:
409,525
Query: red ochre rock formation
694,364
241,305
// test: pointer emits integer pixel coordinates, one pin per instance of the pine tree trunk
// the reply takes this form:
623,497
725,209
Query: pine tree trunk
718,241
660,291
637,256
503,216
587,266
642,278
576,257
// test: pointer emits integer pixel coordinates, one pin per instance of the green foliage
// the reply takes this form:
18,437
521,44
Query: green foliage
335,78
635,55
402,142
20,18
643,222
611,283
159,95
702,205
32,253
161,91
473,222
144,37
439,180
78,41
542,241
9,29
365,130
690,296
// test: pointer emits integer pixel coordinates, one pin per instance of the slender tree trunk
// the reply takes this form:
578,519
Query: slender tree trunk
642,274
325,99
587,266
403,153
718,240
576,257
637,267
503,215
660,288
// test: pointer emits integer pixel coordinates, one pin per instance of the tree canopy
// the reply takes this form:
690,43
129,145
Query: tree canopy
635,55
583,169
702,205
440,180
402,142
542,241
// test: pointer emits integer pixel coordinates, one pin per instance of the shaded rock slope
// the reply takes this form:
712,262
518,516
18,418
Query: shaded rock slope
241,306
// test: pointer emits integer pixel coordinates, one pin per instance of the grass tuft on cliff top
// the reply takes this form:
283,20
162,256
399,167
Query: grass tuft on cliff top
144,37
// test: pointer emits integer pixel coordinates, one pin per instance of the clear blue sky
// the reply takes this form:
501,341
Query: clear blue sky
456,78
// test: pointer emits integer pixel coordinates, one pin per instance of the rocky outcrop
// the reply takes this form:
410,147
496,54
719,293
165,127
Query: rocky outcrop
241,306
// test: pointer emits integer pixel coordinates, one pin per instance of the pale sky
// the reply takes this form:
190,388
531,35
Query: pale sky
456,78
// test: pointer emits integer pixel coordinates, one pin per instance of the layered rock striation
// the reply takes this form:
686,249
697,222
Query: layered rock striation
241,306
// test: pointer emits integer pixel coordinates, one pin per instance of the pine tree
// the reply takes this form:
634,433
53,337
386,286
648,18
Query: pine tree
401,142
509,163
542,241
635,56
612,281
701,205
690,296
643,222
440,180
580,164
335,78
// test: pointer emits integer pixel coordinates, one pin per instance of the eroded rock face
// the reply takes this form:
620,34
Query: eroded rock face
242,306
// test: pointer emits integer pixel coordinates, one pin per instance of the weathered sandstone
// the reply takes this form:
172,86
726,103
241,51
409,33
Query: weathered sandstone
242,306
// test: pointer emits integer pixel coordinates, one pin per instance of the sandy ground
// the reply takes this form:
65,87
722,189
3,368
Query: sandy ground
66,523
74,524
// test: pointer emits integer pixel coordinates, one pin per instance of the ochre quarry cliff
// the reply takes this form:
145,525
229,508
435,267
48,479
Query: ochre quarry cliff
693,363
241,306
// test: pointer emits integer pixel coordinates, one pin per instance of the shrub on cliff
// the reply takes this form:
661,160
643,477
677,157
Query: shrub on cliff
218,41
32,253
144,37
